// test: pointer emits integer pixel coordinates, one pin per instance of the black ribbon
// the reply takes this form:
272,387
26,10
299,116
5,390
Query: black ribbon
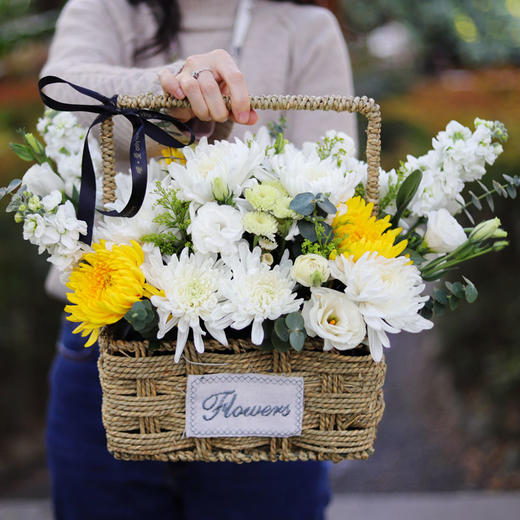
140,119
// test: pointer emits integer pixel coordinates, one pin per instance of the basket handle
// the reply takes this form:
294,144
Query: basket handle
364,105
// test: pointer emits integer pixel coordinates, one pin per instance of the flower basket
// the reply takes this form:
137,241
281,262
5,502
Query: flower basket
144,391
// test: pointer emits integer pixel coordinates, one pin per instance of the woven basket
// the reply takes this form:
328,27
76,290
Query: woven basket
144,392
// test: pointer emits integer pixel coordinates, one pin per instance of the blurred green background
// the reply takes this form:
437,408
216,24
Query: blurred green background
426,63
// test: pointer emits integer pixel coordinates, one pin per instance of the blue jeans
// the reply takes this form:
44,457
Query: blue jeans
88,483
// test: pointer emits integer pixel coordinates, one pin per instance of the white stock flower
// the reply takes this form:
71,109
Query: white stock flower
61,229
256,292
330,315
310,270
301,173
52,200
216,229
40,180
443,232
387,292
233,163
191,286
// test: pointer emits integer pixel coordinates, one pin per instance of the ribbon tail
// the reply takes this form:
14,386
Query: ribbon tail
87,193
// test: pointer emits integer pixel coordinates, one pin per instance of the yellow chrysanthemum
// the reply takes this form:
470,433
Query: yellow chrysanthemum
359,231
169,155
105,285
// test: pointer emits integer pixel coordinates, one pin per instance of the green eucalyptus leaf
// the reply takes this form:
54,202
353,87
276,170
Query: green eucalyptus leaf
441,297
3,193
295,321
303,204
13,185
307,230
470,291
457,289
326,205
470,217
278,344
438,309
297,340
281,329
326,233
512,191
475,201
453,302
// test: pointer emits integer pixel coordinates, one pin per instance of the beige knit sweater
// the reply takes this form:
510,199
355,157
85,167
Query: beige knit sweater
289,49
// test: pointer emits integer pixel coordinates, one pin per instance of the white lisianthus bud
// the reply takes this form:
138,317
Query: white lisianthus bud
18,218
443,232
41,180
487,229
501,244
310,270
332,316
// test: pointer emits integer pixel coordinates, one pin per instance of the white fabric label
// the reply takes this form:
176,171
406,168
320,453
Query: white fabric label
244,405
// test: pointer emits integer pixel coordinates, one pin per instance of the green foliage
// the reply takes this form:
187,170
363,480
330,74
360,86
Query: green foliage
317,234
175,217
507,189
452,32
32,149
143,318
285,333
405,195
449,297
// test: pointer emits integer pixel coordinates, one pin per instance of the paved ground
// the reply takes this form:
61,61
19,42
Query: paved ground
414,451
382,506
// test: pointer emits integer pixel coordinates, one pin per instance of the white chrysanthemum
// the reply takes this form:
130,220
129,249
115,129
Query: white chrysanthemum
191,286
301,173
257,292
216,229
330,315
260,224
387,292
233,163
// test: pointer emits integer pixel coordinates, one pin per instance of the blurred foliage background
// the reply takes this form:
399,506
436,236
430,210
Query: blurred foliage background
426,63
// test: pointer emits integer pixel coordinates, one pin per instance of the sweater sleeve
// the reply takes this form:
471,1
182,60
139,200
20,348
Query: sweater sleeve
94,46
320,66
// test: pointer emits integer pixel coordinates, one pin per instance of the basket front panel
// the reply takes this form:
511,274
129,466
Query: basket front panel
144,401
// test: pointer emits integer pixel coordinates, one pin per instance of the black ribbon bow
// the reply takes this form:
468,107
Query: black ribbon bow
140,119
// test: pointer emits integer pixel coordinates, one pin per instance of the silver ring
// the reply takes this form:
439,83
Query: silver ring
196,73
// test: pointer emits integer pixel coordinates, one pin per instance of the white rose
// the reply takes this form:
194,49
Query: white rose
39,179
216,229
443,233
332,316
310,270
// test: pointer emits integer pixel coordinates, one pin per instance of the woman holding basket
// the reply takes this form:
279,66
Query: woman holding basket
199,50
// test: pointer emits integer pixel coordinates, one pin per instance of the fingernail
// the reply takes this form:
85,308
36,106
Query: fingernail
243,117
179,92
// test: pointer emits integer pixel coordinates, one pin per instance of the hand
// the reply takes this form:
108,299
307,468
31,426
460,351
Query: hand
205,93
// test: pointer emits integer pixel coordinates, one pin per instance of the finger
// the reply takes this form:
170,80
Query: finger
170,84
227,69
252,118
191,88
213,97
